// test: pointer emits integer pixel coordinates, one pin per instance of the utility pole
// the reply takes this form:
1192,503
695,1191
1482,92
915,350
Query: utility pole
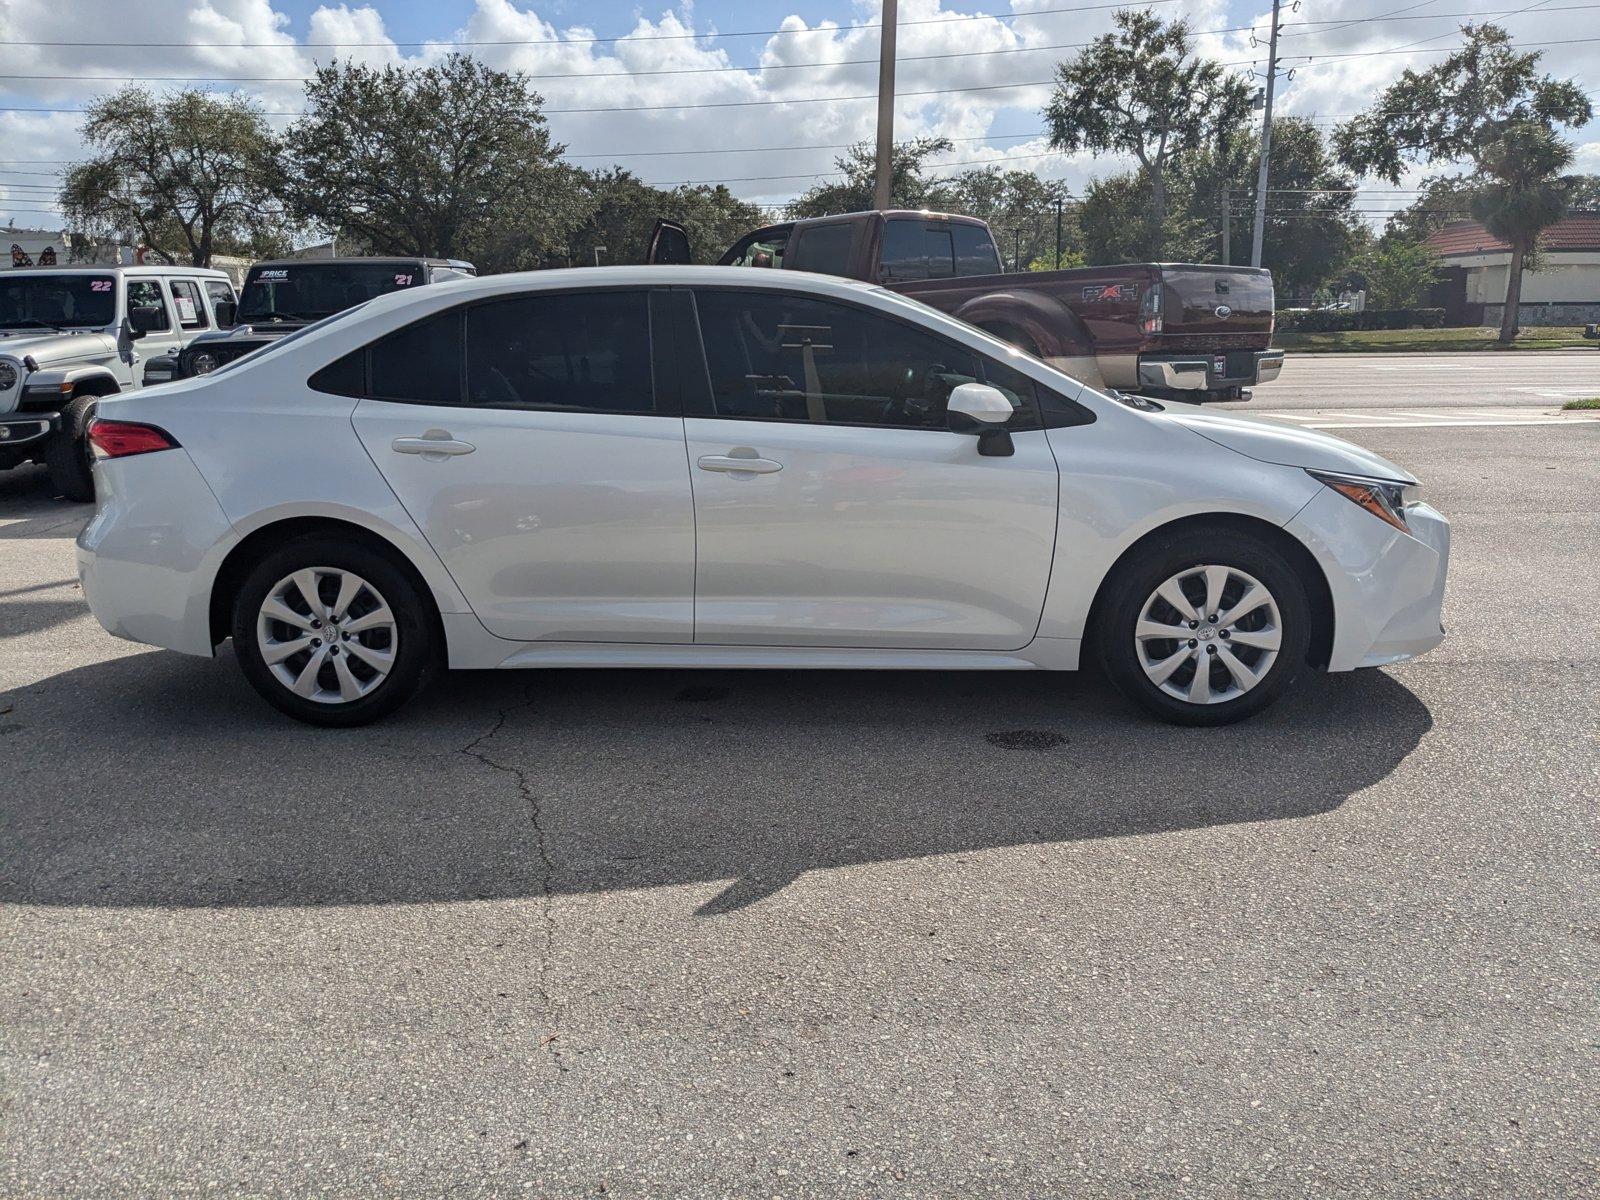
1227,225
1056,265
880,190
1266,143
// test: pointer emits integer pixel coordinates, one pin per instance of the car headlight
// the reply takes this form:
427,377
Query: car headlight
203,363
8,376
1386,499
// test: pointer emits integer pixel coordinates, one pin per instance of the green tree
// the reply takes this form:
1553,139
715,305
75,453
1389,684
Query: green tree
623,209
1311,229
1119,223
1398,272
1441,200
908,185
452,159
188,175
1139,91
1019,207
1487,104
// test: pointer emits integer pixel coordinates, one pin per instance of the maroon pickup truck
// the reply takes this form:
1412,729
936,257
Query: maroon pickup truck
1175,330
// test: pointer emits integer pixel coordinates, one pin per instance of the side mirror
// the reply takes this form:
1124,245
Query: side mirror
227,313
991,410
161,369
145,318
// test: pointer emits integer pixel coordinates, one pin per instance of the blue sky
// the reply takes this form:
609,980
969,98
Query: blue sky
678,113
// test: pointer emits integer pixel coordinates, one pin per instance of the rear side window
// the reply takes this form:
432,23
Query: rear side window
914,249
975,252
146,293
220,291
823,248
577,352
420,364
186,299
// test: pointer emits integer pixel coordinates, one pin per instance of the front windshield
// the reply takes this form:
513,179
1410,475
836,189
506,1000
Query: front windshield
311,290
34,301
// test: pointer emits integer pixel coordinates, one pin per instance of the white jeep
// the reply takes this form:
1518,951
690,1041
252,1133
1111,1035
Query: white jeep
70,335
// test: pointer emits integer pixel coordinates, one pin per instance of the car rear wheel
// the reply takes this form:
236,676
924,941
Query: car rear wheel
332,633
1206,627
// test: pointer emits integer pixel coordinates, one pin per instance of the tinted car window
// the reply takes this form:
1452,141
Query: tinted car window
31,300
220,291
420,363
823,248
784,357
975,252
905,250
146,293
311,290
581,352
941,258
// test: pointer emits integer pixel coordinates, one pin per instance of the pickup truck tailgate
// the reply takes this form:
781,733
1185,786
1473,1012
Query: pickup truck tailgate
1205,302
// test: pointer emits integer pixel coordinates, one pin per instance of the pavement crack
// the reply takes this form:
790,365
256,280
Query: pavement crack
478,749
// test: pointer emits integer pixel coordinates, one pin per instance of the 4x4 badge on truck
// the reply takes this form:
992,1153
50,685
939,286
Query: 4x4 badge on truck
1223,312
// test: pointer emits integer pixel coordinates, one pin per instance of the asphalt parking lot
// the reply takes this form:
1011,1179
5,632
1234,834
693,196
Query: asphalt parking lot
680,933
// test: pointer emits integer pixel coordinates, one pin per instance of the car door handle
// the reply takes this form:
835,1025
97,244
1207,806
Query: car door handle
737,464
430,444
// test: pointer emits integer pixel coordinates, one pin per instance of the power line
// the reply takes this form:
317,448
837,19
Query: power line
662,37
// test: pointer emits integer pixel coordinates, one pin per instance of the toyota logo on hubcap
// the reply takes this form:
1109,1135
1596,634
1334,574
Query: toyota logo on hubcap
1223,312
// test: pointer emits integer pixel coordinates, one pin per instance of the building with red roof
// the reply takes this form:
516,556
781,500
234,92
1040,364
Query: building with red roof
1476,264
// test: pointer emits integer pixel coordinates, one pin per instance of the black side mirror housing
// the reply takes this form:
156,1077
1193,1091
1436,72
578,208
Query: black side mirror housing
227,313
146,318
995,442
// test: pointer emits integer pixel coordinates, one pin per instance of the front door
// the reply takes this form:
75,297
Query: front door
526,438
166,339
835,505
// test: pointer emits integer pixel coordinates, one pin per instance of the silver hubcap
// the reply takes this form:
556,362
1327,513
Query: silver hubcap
1208,635
327,634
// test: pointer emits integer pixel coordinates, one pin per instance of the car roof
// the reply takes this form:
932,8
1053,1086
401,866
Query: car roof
117,269
379,259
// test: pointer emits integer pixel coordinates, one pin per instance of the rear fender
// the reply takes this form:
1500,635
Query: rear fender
1054,329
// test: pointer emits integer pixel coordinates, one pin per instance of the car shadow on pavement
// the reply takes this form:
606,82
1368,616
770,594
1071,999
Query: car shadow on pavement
155,779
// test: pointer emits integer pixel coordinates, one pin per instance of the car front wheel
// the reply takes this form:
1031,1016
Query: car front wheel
1206,627
332,633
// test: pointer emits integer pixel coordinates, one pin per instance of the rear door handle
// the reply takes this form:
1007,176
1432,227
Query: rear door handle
435,444
739,464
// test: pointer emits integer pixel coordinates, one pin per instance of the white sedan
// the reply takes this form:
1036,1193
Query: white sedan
714,467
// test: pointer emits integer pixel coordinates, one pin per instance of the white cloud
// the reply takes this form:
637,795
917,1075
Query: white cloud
698,107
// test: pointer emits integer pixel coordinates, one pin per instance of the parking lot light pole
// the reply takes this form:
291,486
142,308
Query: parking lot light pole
880,190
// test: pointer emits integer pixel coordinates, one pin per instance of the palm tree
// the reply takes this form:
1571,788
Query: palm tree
1522,195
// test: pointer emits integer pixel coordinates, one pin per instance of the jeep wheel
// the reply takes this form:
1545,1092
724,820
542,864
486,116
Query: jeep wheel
67,455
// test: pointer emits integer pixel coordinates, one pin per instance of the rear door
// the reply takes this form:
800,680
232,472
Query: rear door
527,437
834,503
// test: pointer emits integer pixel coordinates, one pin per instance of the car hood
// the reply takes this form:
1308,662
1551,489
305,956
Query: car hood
1289,446
48,346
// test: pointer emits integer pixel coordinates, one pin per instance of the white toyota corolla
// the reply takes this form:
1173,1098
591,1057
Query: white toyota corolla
715,467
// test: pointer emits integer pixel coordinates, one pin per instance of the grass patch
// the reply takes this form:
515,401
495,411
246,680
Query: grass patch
1428,341
1591,402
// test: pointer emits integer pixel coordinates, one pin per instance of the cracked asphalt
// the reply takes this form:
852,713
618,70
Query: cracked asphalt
783,934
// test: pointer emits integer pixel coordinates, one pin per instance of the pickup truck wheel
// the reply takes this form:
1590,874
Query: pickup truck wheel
332,633
1206,627
67,456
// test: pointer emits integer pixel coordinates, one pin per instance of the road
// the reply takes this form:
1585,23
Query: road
783,934
1533,379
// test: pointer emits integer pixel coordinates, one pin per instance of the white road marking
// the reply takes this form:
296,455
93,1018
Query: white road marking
1428,366
1558,393
1442,418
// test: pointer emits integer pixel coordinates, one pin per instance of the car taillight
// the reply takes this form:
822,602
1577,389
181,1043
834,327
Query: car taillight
1150,311
119,439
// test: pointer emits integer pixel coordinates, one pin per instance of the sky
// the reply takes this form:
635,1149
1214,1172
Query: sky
761,95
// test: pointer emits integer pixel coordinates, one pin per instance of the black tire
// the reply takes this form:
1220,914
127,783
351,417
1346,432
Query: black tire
67,456
414,659
1136,580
